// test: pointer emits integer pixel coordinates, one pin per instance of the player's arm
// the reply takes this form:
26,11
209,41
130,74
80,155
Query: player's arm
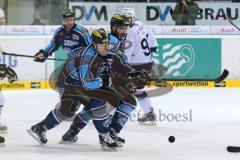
129,47
121,68
118,66
86,36
88,81
54,44
125,75
152,42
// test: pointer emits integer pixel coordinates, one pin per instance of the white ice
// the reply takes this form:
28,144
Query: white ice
215,124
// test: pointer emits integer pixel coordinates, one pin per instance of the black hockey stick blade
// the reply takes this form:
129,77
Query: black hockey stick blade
233,149
223,76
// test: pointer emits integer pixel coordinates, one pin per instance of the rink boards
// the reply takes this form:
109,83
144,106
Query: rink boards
32,75
27,85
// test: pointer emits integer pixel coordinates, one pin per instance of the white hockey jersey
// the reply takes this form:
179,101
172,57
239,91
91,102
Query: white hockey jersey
139,41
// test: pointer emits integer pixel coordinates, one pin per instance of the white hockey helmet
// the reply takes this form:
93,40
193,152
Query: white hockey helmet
2,17
129,12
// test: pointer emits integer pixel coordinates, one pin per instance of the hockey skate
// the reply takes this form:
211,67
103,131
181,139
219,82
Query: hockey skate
120,141
3,128
38,133
69,138
107,143
148,119
2,141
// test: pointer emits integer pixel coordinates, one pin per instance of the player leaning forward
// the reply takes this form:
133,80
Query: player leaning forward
140,56
78,79
124,80
5,71
83,82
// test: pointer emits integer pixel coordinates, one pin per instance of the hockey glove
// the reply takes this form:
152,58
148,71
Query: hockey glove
2,71
11,75
41,56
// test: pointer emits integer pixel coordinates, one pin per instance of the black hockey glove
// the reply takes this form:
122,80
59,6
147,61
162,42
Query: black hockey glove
41,56
2,71
136,73
11,75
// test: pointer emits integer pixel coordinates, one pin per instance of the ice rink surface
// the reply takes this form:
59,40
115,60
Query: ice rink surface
215,123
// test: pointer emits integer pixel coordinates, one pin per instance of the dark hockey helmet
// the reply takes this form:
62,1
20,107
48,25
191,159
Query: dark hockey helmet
119,20
100,36
68,13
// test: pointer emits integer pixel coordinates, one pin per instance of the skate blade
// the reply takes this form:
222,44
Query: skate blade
147,123
66,142
120,144
32,134
105,148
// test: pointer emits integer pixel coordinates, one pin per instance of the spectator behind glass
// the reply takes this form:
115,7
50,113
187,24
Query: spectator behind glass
37,19
185,12
2,17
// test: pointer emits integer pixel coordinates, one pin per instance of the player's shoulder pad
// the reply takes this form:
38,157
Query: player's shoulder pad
82,29
139,23
89,50
114,39
59,30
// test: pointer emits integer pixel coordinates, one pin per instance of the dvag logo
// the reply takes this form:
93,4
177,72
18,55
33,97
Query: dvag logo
155,12
86,13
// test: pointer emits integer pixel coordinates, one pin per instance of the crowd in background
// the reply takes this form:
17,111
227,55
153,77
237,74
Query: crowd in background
148,0
48,11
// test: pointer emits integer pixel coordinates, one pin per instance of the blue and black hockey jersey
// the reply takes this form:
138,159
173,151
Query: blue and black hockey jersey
85,70
70,40
116,44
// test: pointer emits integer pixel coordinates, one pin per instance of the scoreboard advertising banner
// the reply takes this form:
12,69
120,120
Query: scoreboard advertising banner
153,13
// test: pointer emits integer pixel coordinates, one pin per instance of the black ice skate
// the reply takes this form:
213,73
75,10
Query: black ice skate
69,137
148,119
107,143
38,132
2,141
3,128
120,141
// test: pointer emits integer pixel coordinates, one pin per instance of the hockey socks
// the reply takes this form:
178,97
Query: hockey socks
120,118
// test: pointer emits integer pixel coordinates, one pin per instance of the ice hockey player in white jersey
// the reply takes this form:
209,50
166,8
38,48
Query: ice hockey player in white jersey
139,54
5,71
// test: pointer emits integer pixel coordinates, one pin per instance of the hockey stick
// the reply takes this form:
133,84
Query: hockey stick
230,20
28,56
233,149
223,76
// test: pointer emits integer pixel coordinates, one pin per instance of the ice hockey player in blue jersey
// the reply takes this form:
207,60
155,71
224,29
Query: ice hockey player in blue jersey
70,36
81,82
118,25
126,104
